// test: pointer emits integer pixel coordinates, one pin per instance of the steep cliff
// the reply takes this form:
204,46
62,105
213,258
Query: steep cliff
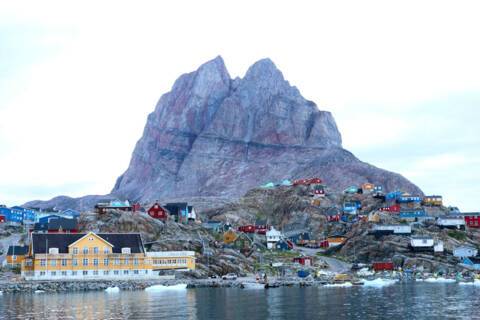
216,136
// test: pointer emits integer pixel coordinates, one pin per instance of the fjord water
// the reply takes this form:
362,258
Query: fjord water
399,301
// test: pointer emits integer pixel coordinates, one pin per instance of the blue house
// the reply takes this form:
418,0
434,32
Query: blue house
71,213
351,207
351,190
393,195
299,237
216,226
28,214
412,214
283,245
46,219
12,215
409,199
472,263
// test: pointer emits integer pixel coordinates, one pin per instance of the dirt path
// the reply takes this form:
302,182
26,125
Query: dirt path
335,265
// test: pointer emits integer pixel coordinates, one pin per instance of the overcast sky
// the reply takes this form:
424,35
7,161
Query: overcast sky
77,82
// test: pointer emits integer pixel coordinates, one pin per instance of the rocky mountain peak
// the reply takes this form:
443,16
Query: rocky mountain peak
212,136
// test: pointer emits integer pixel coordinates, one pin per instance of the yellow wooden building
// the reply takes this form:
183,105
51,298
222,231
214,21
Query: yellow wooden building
172,260
433,201
16,255
86,257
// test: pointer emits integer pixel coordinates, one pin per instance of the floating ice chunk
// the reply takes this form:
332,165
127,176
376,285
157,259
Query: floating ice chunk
476,282
159,287
39,291
378,283
112,290
339,285
438,280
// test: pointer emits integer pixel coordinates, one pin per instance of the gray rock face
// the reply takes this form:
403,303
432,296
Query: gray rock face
214,136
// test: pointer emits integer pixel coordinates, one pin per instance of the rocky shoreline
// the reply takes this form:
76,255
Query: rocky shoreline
129,285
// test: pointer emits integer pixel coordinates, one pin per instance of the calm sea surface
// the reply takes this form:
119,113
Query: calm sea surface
398,301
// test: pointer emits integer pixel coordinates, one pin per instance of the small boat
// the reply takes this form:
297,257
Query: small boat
253,285
357,282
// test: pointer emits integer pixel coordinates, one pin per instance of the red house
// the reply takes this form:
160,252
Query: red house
307,182
157,212
472,219
2,219
324,244
304,261
394,208
382,266
249,228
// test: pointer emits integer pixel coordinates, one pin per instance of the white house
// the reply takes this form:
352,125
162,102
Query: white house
273,236
451,222
464,252
392,229
438,247
419,243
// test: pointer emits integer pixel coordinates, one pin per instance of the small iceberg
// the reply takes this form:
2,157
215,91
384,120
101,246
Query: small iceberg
438,280
476,282
378,283
1,293
339,285
112,290
39,291
253,285
160,288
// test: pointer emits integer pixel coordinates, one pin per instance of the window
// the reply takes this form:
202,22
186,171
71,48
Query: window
117,261
106,272
106,250
95,250
135,261
85,262
74,273
75,250
64,262
135,271
42,273
125,271
126,262
95,272
74,262
53,273
64,273
85,273
105,262
146,271
95,262
43,263
85,250
115,272
14,258
53,263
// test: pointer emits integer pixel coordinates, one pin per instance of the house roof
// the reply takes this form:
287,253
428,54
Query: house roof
40,241
56,224
421,238
465,248
260,222
468,213
17,250
175,207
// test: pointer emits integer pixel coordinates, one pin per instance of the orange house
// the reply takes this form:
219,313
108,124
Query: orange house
16,255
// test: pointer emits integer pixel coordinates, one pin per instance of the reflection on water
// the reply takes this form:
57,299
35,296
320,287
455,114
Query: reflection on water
413,301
